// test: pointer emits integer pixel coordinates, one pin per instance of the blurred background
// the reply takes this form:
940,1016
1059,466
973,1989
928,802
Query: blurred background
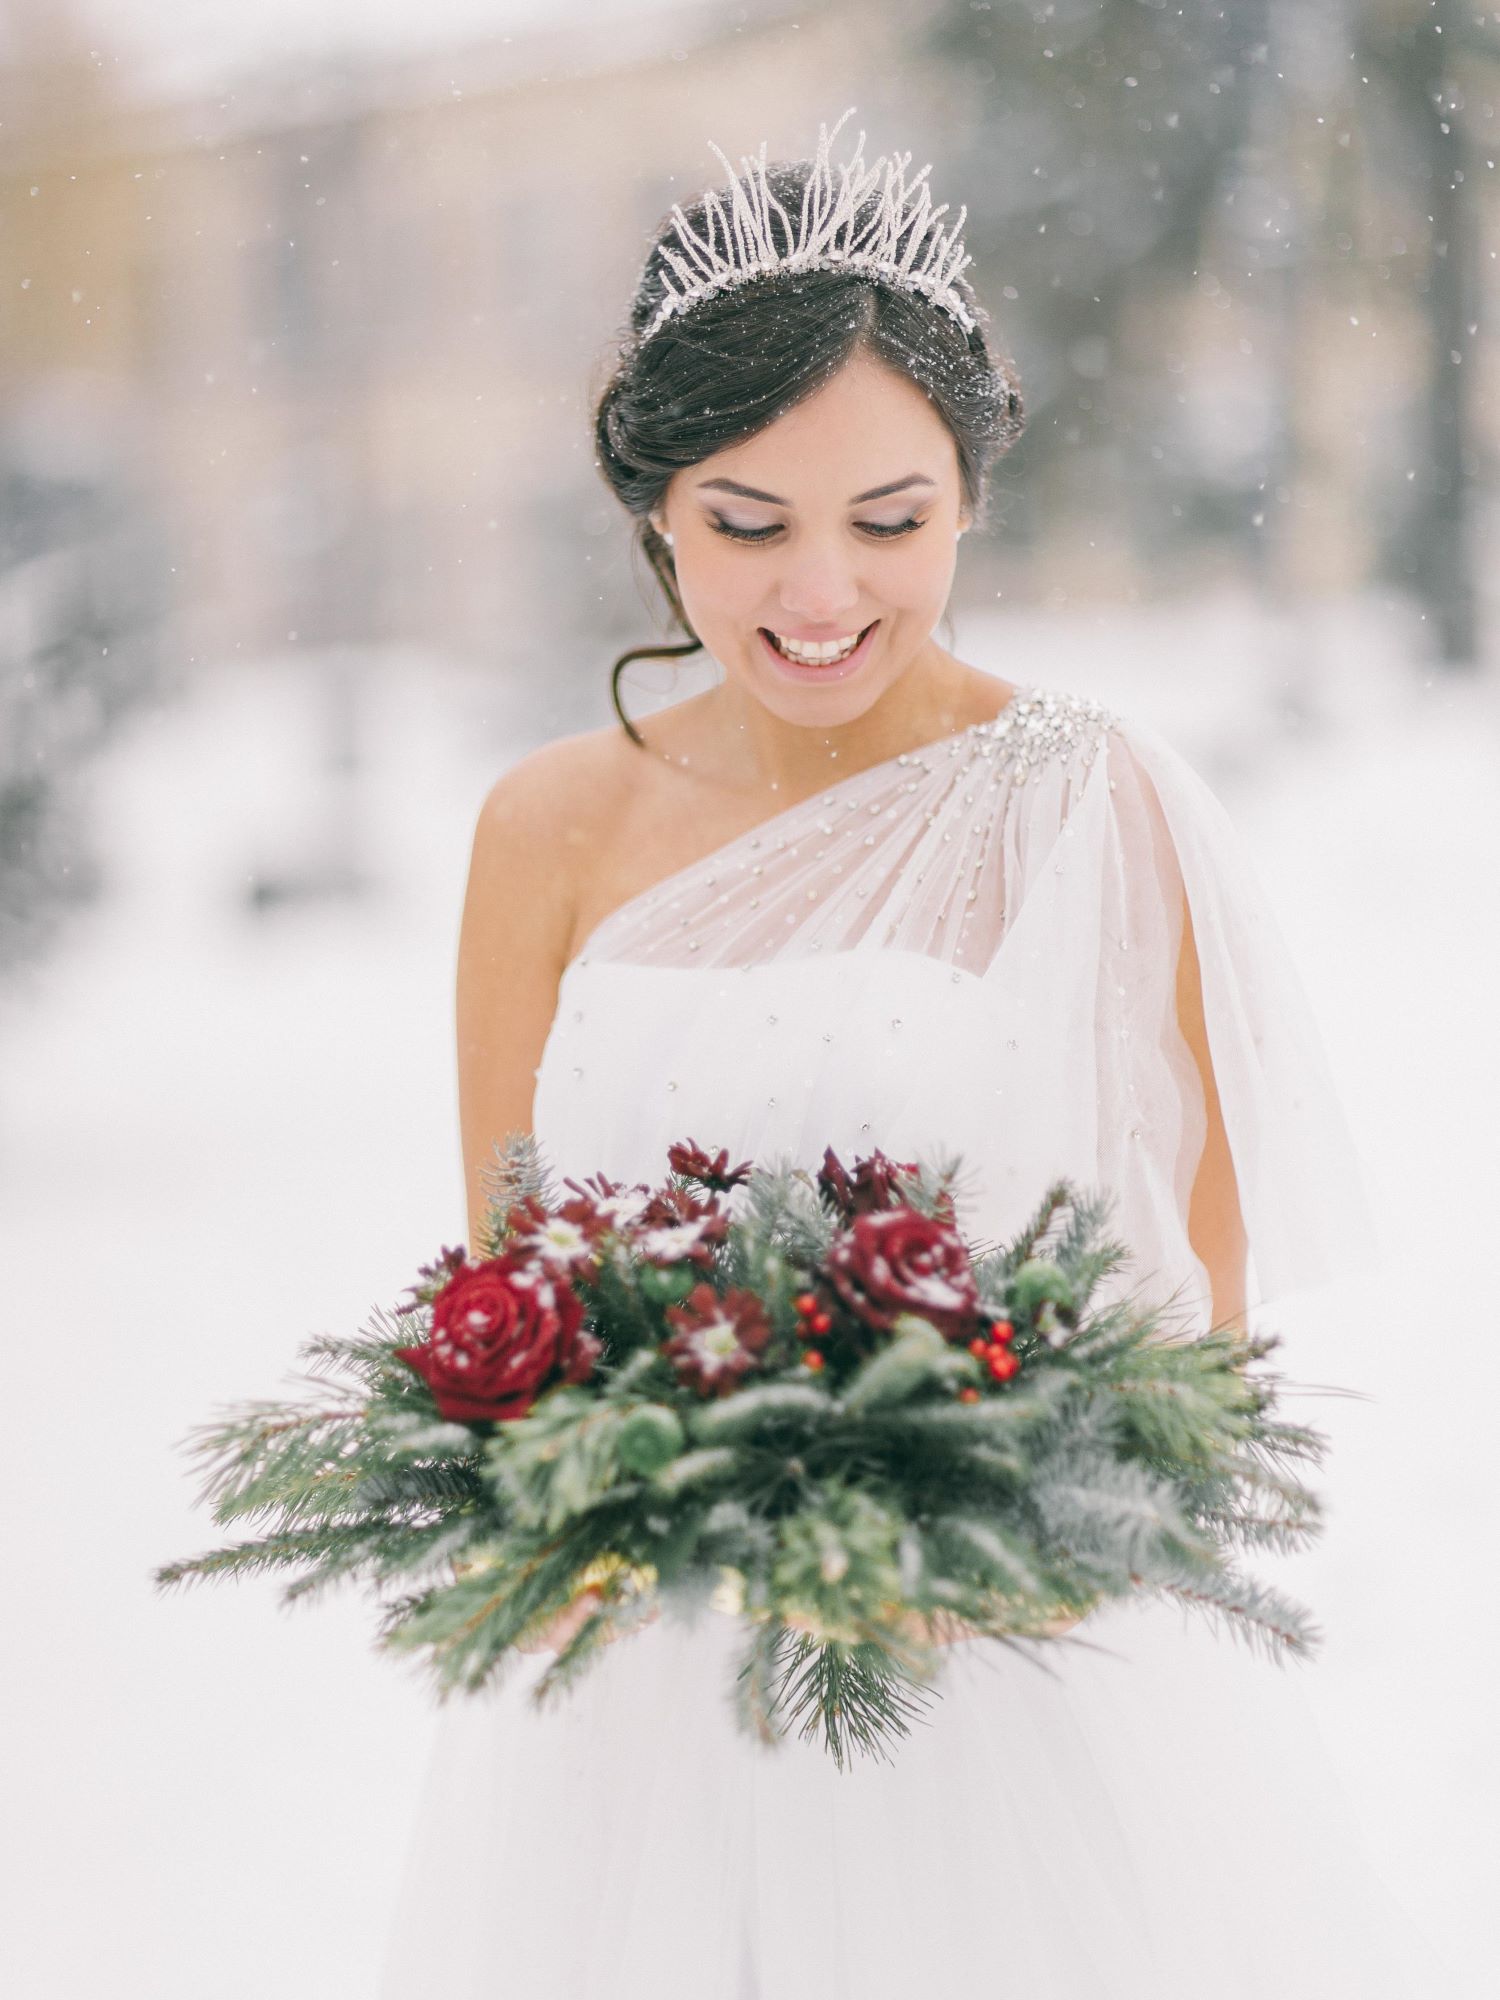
301,545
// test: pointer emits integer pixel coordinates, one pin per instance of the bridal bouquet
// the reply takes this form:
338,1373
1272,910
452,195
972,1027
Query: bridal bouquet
800,1396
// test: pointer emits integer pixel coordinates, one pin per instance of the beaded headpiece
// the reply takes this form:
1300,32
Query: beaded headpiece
899,241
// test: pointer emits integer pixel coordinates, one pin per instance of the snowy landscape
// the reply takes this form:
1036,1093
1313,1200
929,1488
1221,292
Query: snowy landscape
303,543
228,1126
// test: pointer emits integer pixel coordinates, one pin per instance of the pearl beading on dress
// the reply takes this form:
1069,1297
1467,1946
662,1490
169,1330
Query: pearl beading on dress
1039,730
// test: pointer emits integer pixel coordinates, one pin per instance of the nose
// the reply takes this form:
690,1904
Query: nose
819,589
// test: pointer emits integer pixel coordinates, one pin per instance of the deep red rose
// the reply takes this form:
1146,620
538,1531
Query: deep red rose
500,1331
897,1261
718,1339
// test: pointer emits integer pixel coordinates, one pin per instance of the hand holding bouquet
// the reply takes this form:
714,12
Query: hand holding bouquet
802,1397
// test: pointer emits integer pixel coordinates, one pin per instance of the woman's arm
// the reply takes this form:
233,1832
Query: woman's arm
1216,1226
513,942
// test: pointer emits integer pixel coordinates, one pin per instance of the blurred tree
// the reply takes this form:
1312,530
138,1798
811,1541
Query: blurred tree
1123,151
1103,140
79,620
83,569
1435,60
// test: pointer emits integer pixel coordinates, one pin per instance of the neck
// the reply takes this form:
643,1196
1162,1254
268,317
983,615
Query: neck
767,753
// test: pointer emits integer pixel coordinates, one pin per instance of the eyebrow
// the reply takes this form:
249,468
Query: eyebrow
773,500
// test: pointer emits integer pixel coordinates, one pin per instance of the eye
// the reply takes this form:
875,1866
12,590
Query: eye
880,530
887,530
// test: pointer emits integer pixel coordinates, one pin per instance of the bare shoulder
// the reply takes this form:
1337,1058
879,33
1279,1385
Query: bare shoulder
556,797
541,827
551,790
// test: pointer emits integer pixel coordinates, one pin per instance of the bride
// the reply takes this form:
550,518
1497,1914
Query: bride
861,893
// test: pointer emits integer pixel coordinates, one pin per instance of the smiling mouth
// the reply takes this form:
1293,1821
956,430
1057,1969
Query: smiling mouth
826,660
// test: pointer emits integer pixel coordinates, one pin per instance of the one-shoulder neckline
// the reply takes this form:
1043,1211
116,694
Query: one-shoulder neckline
826,796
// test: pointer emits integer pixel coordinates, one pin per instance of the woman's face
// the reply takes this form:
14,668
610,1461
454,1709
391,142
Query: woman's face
790,533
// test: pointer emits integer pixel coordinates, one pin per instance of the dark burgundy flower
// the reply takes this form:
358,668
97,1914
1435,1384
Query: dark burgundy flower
677,1227
872,1185
432,1277
527,1214
570,1238
501,1330
718,1339
898,1261
687,1158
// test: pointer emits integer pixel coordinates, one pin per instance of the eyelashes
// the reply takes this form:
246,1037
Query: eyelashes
878,529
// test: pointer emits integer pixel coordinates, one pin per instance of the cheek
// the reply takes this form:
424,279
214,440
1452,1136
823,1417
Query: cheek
915,577
717,590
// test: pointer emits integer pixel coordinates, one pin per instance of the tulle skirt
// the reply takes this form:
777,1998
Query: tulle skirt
1145,1809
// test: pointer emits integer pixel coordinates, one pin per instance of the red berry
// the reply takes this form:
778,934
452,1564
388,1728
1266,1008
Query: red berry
1003,1330
821,1322
1002,1363
968,1395
806,1302
812,1358
979,1345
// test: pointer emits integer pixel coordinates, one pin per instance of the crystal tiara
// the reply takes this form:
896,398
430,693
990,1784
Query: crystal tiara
900,241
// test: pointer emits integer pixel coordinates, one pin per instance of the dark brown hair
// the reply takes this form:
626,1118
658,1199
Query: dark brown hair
731,364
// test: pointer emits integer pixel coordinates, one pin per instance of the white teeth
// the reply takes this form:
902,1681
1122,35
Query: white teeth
817,656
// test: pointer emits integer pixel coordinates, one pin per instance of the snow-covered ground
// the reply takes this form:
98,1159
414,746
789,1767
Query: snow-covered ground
220,1133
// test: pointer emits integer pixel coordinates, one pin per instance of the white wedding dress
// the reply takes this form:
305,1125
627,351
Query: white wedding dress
970,948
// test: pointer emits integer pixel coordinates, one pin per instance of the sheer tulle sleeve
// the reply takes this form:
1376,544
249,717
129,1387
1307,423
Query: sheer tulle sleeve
1160,832
976,944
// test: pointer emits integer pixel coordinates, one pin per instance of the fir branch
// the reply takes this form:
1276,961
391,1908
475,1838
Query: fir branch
1263,1618
1116,1512
760,1674
368,1357
1028,1241
696,1468
988,1556
517,1168
781,1409
1078,1240
264,1455
852,1695
328,1555
893,1374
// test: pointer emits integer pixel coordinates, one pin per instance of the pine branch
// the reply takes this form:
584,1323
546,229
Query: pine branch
328,1555
852,1695
1027,1242
368,1357
759,1676
516,1169
1263,1618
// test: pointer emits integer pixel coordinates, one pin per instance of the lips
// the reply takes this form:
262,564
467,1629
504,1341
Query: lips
799,670
808,663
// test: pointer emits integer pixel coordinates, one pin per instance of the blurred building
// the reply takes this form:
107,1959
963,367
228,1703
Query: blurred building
350,323
342,325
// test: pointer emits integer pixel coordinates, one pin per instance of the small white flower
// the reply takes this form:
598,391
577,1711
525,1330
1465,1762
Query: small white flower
622,1209
559,1242
671,1242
